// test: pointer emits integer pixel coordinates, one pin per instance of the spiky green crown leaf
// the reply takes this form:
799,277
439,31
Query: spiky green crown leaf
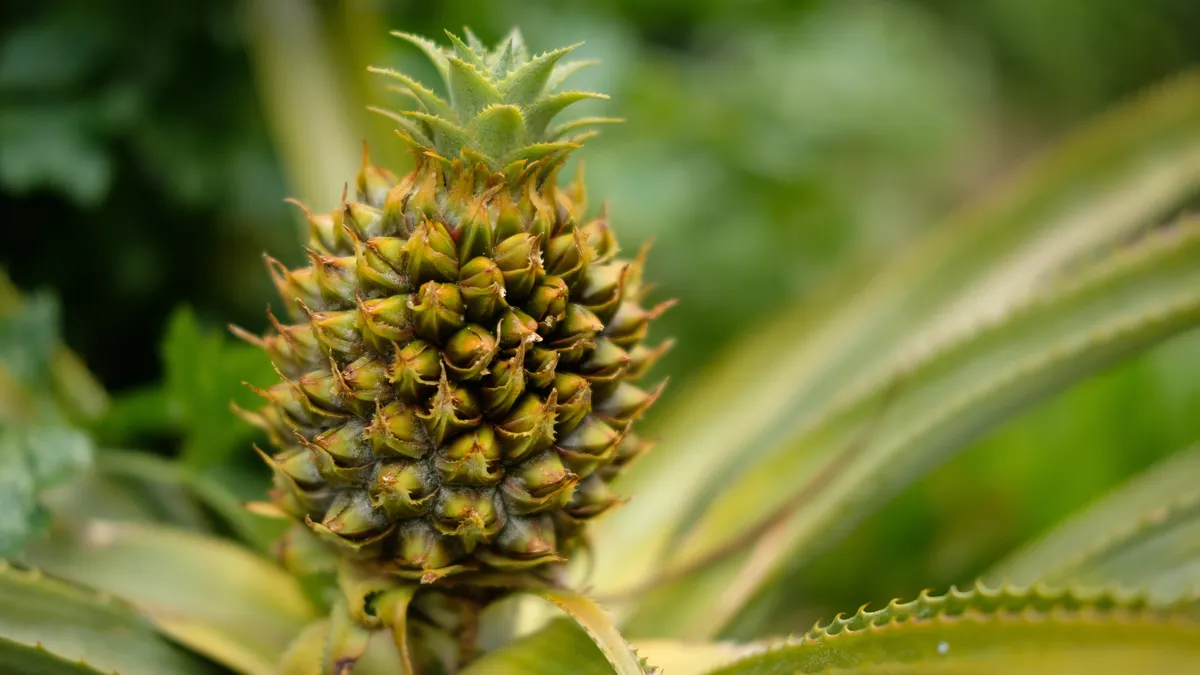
501,101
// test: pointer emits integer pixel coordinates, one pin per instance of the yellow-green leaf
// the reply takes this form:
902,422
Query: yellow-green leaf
559,647
883,435
598,626
306,654
215,597
1006,631
50,627
1114,178
1146,534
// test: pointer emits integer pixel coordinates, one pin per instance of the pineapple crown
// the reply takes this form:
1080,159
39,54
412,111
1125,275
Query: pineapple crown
501,102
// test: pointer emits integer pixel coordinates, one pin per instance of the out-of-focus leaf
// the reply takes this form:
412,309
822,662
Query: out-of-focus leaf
1012,630
881,436
165,475
147,410
123,488
208,594
1145,534
45,625
30,352
1139,296
560,647
20,515
607,646
48,55
1116,177
28,337
24,658
693,658
52,146
79,393
33,459
305,106
598,626
37,449
204,373
306,654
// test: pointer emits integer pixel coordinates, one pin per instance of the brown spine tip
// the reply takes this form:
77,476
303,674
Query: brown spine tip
251,418
265,509
245,335
301,205
661,308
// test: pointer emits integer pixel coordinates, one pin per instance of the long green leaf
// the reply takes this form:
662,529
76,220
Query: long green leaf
883,435
693,658
598,626
79,394
210,595
559,647
50,627
306,654
1006,631
306,109
1146,534
24,658
170,479
1117,176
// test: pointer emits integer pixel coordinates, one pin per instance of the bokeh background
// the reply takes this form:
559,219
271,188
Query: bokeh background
773,149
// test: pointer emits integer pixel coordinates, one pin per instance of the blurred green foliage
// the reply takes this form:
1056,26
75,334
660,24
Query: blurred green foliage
206,371
39,447
772,147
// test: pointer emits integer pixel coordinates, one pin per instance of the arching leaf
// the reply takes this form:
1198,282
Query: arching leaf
880,437
1115,177
598,626
47,626
560,647
525,84
210,595
1006,631
1145,534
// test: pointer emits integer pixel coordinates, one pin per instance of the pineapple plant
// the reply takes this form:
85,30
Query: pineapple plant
459,373
460,380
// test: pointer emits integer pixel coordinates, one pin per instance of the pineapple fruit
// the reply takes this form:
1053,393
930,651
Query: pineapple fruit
458,374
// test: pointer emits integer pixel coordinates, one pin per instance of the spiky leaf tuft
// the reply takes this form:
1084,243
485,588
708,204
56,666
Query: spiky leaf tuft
477,80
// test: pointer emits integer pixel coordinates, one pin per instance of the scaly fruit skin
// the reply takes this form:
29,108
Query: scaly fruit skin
458,385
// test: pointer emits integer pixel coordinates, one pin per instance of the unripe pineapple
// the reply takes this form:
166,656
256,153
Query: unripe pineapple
458,383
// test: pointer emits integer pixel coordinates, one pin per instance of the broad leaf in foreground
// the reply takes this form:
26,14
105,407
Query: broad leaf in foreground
51,628
210,595
1010,630
563,647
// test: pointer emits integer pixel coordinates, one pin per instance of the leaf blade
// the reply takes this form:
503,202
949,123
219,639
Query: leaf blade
774,385
559,647
77,625
262,607
879,439
1152,520
598,626
1004,631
